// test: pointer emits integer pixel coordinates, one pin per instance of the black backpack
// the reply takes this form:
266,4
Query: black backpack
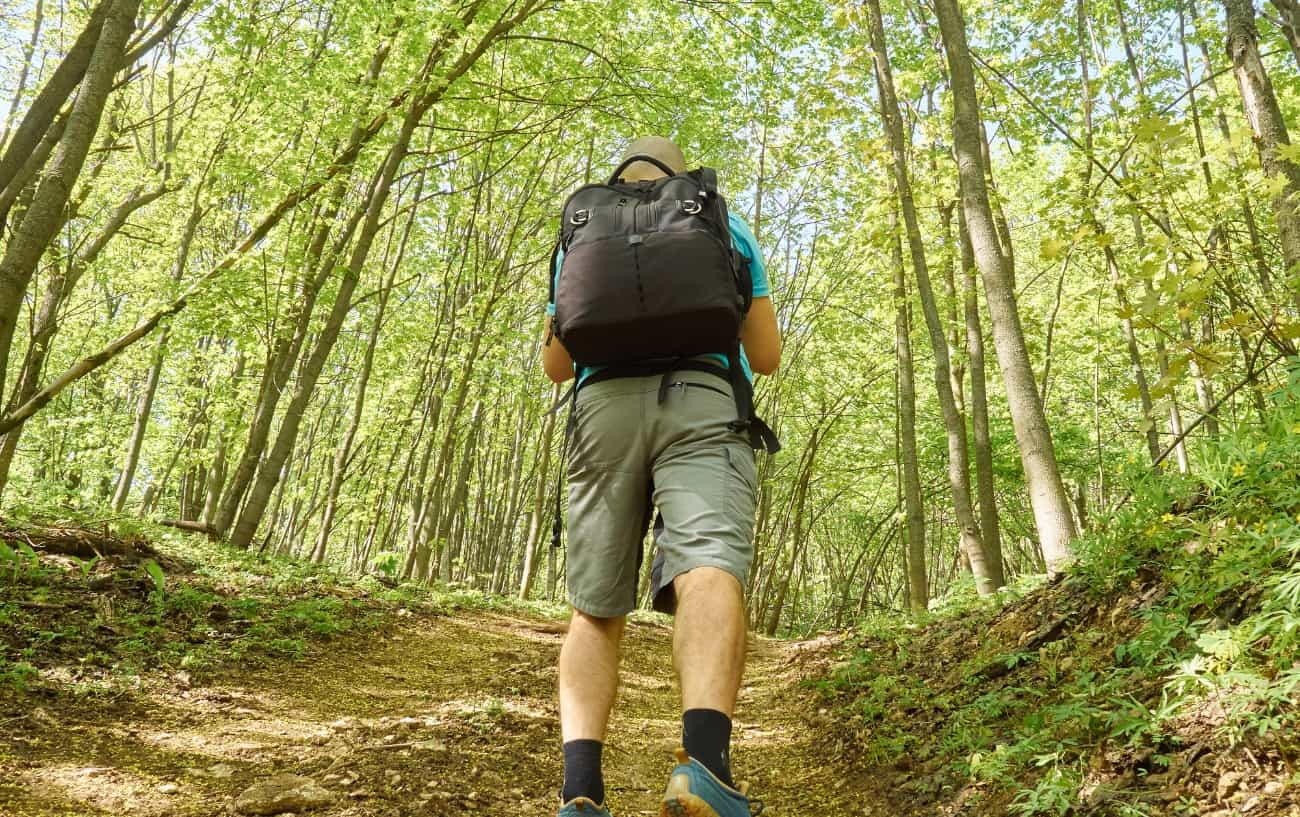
650,279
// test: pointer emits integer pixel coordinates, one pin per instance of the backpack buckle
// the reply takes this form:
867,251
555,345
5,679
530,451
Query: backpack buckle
690,206
580,217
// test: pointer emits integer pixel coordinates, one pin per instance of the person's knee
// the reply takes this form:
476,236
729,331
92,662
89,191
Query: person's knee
705,580
586,624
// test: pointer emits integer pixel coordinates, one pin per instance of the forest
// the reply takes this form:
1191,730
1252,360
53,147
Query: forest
273,277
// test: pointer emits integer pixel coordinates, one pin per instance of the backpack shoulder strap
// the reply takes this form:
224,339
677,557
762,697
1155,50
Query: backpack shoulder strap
550,271
707,178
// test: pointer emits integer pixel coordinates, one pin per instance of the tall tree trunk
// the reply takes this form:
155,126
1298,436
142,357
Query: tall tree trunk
799,534
141,424
38,17
268,473
1204,389
217,473
1162,354
343,453
990,530
1047,495
1289,12
957,369
56,91
288,345
1269,129
918,588
1136,368
155,369
537,516
456,507
43,217
954,423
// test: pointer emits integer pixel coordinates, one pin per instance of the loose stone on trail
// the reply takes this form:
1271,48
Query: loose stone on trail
283,793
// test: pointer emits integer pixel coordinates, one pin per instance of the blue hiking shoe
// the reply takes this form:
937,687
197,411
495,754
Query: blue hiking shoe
694,791
582,807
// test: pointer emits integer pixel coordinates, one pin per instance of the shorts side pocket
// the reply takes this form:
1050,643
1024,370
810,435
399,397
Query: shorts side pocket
742,488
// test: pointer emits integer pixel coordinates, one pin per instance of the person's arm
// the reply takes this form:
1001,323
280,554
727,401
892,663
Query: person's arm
761,337
555,358
759,333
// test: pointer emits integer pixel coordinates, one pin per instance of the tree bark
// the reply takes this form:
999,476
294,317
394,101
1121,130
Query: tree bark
537,516
141,424
1204,388
954,423
1136,368
1051,506
42,219
990,529
343,453
1266,123
1289,12
38,17
56,91
918,595
288,345
268,473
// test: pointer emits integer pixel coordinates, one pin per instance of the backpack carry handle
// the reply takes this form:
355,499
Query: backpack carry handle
639,157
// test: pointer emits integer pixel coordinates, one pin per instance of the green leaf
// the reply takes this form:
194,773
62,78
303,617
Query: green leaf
156,573
1291,153
1051,248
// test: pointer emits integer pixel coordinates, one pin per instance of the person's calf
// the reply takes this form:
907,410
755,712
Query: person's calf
588,675
588,685
709,634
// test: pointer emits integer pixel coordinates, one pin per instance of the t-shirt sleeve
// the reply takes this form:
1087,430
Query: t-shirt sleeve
555,282
747,245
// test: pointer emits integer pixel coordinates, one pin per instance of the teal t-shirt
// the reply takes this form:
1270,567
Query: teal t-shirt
747,245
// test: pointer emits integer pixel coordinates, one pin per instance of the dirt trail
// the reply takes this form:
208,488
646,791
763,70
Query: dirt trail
438,716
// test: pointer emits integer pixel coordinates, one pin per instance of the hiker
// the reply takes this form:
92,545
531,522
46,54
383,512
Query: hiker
669,425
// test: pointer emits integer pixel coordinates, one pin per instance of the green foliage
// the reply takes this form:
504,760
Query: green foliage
1198,579
16,675
159,579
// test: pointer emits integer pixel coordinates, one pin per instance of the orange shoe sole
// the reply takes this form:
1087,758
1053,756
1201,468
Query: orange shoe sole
686,805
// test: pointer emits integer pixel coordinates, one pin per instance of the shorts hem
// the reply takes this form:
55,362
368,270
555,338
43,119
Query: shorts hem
598,610
666,582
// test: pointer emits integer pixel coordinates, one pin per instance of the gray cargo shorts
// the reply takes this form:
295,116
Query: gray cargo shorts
628,453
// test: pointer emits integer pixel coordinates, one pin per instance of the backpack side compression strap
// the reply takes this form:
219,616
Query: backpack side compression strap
760,433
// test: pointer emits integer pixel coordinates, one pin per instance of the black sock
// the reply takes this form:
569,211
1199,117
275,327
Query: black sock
706,736
582,777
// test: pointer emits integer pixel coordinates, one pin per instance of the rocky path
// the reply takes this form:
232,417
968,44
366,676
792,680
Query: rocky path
437,716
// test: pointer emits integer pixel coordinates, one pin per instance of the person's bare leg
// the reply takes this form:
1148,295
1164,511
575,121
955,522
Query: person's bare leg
709,638
588,675
588,684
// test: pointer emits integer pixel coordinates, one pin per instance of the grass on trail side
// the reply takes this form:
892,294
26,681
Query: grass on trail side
161,600
1159,676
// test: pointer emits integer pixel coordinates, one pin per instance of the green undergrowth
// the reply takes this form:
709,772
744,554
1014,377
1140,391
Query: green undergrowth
177,602
1176,633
